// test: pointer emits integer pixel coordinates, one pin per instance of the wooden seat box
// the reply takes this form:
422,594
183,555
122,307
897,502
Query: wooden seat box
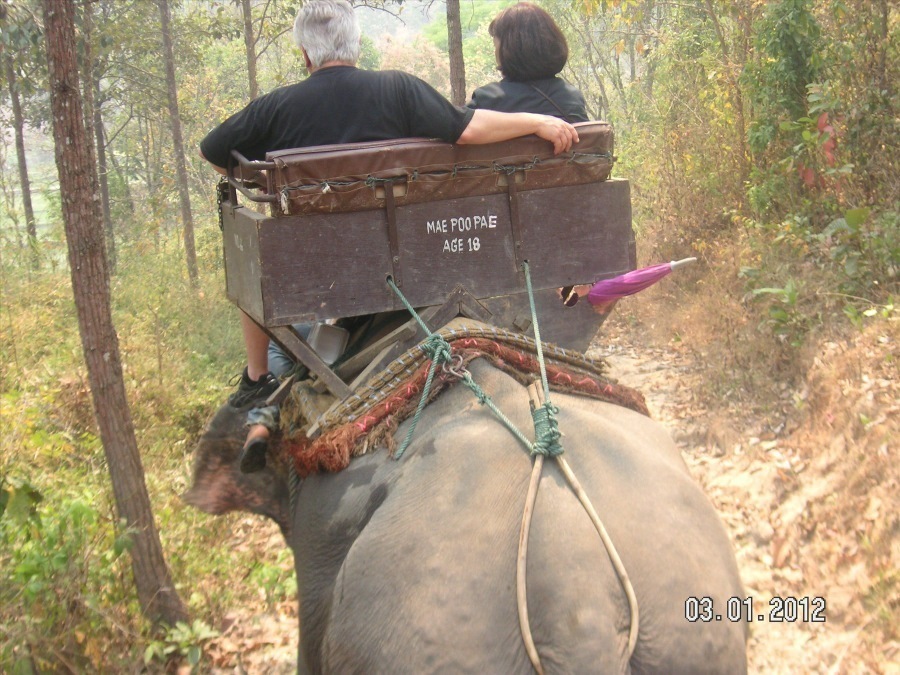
433,216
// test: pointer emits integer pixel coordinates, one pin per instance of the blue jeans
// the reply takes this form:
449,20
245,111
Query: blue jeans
281,363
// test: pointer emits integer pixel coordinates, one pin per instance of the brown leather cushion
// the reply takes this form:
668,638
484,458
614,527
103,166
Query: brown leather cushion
353,176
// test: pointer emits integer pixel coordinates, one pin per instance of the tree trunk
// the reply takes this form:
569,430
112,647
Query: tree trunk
884,82
250,45
178,143
90,285
123,178
92,118
151,189
454,46
24,182
103,175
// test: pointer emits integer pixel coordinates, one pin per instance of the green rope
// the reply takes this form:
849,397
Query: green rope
546,428
425,391
546,431
537,331
409,307
437,349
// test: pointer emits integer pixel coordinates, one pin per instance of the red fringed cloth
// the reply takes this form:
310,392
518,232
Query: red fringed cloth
368,419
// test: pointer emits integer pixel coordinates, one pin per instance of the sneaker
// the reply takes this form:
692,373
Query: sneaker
250,391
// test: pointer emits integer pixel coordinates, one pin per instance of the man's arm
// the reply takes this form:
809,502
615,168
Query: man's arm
257,179
490,126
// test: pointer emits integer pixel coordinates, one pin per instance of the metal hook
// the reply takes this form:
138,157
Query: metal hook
455,367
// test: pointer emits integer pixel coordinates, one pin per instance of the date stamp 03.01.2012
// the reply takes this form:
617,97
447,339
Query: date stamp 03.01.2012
787,609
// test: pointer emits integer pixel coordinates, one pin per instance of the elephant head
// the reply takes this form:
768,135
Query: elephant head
218,484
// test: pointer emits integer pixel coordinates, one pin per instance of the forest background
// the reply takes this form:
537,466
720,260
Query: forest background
760,137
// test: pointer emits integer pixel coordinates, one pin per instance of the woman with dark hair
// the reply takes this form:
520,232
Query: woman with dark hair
531,51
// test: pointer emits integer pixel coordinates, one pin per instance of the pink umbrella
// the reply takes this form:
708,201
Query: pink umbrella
607,291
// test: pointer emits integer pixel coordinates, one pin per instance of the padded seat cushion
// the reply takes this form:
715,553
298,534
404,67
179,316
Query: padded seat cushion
352,177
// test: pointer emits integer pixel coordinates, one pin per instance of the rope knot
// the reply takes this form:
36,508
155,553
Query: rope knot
546,431
436,348
482,397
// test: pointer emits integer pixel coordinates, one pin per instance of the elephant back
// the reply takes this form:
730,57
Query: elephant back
367,419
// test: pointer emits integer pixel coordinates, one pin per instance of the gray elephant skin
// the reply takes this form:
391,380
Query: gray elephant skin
409,565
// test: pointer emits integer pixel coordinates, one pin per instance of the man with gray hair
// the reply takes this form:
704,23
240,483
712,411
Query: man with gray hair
339,103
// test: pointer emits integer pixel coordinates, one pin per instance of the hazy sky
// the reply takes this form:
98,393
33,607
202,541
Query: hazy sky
414,15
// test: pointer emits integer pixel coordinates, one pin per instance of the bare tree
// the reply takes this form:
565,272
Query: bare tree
250,46
24,182
178,142
261,33
454,46
733,69
90,285
94,122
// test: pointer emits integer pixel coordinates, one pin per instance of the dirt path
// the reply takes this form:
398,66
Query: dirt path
772,494
764,488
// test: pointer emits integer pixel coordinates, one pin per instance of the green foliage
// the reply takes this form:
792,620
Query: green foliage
369,57
858,318
23,51
759,131
18,501
64,563
784,316
478,46
820,189
62,583
277,579
788,41
865,249
857,246
474,18
182,639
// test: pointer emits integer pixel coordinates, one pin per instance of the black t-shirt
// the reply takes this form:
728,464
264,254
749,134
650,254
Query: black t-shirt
338,104
509,96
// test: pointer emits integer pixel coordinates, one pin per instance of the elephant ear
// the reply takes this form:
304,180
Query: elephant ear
218,484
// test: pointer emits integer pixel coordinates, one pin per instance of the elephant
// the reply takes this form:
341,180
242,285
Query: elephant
409,565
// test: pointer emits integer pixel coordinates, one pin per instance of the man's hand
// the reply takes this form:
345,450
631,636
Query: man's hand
557,131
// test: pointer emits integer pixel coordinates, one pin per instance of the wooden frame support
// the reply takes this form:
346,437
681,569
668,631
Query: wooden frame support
380,353
459,302
295,345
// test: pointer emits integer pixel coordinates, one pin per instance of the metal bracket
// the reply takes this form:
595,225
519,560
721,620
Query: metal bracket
515,225
247,167
390,208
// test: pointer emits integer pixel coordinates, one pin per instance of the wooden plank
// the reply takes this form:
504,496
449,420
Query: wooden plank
577,234
359,360
569,327
333,265
278,396
472,309
242,264
312,403
465,241
325,266
300,350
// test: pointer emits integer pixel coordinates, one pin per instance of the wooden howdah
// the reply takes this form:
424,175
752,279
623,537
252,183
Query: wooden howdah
435,217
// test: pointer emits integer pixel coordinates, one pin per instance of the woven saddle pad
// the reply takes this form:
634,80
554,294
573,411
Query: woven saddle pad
367,419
